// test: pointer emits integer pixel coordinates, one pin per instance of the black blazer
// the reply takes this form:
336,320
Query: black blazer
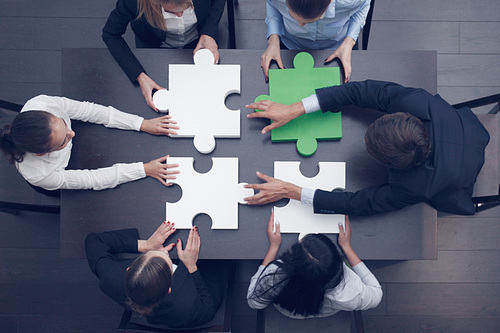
189,304
445,180
208,14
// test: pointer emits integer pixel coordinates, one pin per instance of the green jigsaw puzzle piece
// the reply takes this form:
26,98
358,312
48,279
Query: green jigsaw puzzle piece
288,86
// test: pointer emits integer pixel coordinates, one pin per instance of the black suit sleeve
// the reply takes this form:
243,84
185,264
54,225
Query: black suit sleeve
112,34
378,95
101,247
368,201
204,307
211,25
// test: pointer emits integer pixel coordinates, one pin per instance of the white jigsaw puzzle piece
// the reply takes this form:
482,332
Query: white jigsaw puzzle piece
215,193
298,218
196,100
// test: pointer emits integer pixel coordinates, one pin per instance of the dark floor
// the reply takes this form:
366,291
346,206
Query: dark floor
458,292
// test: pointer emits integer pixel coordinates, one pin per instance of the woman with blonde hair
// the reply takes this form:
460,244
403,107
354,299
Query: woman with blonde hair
161,23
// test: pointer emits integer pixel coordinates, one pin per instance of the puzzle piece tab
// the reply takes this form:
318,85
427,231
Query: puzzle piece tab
298,218
288,86
196,100
215,193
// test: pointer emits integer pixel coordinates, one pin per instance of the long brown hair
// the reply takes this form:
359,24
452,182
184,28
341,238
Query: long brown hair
151,9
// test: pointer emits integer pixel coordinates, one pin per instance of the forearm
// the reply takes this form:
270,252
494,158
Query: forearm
274,20
271,255
351,256
357,20
211,25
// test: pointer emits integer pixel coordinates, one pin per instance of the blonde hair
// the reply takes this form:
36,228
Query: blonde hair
151,9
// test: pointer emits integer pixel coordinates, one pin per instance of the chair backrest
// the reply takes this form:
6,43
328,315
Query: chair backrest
271,320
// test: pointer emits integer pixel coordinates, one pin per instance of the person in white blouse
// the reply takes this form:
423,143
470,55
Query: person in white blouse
311,279
39,143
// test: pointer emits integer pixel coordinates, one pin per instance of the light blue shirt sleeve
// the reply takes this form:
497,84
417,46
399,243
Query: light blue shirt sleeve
307,196
274,20
357,20
311,103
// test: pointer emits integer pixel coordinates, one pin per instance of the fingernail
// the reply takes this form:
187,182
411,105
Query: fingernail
173,228
167,222
178,239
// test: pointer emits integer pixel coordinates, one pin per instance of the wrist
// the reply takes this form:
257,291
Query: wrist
349,41
298,109
142,246
293,191
273,40
191,268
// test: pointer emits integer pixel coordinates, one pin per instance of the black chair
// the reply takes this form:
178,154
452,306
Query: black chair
489,176
230,22
271,320
221,323
8,206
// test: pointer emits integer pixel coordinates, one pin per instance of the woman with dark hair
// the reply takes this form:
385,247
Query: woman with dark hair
39,143
161,23
314,25
311,279
184,295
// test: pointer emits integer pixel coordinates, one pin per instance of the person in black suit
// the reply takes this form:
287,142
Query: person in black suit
179,296
434,152
160,23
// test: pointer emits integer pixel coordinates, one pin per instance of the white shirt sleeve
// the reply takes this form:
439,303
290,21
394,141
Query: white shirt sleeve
98,179
311,103
371,291
307,196
98,114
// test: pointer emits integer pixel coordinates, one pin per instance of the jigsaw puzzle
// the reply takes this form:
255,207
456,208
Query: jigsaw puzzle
288,86
298,218
198,193
196,100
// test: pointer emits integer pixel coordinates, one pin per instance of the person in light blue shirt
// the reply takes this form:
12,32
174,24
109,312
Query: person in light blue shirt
314,25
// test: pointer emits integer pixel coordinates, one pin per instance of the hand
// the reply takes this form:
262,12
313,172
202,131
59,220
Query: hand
280,114
160,170
189,256
207,42
272,52
345,235
160,126
343,52
147,86
155,242
273,233
273,190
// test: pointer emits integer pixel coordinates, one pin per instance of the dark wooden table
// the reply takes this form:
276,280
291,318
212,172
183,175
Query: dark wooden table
92,74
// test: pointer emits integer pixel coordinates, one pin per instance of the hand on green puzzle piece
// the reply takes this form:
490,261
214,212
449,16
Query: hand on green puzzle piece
279,114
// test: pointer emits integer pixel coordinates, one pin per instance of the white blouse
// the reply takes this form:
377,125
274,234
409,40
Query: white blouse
48,171
181,30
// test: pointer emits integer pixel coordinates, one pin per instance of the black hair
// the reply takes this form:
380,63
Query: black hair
398,141
308,9
304,273
147,282
30,132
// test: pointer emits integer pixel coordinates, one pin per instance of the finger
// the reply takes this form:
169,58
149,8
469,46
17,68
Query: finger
269,128
180,251
216,56
151,105
280,63
265,67
264,177
168,166
347,70
262,114
161,159
270,223
169,247
341,229
331,57
347,222
278,230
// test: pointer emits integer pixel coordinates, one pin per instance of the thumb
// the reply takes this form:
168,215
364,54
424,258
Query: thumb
169,247
162,159
179,246
331,57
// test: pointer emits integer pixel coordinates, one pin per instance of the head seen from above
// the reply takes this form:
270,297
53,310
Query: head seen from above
398,141
311,266
148,281
307,11
37,132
